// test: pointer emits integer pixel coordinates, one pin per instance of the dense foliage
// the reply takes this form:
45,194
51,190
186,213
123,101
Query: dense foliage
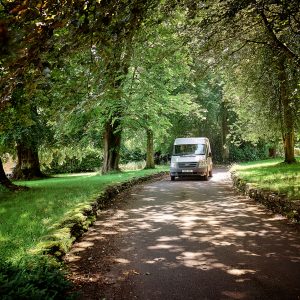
33,278
109,75
92,84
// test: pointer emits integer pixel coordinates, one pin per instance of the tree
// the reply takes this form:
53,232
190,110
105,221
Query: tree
74,109
255,91
287,101
117,59
234,29
108,26
156,84
28,28
24,132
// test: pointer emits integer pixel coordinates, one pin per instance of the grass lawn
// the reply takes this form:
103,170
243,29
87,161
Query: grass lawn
26,217
273,175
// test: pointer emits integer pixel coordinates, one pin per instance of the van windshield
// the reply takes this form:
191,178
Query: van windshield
189,149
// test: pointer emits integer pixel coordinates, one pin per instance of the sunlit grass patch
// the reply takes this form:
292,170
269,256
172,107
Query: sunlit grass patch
135,165
273,175
27,217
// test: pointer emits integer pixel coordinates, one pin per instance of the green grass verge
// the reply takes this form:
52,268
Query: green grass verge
272,175
27,217
42,216
34,278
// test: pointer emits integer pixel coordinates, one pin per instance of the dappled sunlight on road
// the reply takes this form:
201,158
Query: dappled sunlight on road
201,231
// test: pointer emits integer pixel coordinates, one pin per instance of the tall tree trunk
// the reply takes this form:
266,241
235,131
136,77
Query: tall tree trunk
272,152
288,117
225,130
117,66
7,183
112,144
28,165
150,150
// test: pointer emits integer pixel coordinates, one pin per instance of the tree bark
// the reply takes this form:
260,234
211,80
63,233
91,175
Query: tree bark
28,165
288,118
7,183
150,150
112,144
272,152
225,130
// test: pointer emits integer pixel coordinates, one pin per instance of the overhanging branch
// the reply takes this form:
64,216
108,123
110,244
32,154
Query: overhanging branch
280,45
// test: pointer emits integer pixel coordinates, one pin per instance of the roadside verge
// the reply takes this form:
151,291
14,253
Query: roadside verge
278,203
70,229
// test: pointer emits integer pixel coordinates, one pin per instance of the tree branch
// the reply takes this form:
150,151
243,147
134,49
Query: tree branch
255,42
238,49
280,45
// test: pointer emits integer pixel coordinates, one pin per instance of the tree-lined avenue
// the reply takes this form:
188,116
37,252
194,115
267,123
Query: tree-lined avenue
187,239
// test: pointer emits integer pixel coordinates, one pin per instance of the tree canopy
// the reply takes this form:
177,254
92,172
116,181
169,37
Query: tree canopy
78,75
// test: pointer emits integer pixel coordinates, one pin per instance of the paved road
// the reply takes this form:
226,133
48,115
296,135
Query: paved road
188,239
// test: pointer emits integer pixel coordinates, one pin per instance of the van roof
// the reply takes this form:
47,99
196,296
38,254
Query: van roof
191,140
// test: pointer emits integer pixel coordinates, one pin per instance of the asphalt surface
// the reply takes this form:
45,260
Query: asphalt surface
187,239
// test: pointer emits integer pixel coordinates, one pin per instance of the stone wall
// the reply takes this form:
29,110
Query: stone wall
278,203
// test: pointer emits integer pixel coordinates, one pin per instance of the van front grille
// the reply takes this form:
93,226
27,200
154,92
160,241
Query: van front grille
183,165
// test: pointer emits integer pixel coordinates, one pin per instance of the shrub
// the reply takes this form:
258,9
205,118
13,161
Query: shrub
128,155
90,163
247,152
132,166
34,278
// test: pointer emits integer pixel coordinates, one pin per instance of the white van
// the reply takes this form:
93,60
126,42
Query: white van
191,157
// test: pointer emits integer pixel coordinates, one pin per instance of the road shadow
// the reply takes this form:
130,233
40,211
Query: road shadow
188,239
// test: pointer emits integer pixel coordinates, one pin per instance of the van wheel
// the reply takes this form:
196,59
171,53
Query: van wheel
210,173
172,178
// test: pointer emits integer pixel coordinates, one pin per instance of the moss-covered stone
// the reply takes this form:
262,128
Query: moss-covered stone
78,221
278,203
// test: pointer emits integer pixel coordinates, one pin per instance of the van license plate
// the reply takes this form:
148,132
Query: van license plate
187,171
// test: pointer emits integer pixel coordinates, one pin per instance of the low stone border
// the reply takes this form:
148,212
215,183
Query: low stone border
278,203
61,241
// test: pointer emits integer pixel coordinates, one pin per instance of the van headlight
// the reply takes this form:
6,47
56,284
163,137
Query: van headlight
202,163
173,164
